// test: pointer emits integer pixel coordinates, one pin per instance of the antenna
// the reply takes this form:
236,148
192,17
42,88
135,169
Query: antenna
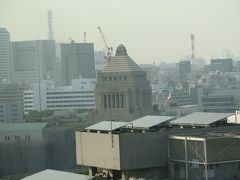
193,50
50,29
85,37
193,46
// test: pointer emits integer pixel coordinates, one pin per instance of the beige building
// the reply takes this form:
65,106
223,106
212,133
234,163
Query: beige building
122,91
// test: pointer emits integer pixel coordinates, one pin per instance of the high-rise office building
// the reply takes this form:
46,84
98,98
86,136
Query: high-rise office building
4,54
77,61
33,60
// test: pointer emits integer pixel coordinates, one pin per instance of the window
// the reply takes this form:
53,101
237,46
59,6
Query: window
109,101
27,138
113,100
7,138
105,101
124,78
182,172
122,101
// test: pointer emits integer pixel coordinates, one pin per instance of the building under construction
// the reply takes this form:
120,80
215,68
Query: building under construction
205,156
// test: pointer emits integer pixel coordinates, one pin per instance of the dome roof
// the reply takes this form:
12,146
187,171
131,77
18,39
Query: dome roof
121,62
121,51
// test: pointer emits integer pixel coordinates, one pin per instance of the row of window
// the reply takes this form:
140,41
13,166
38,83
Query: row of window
70,105
28,93
29,106
17,138
73,92
70,101
115,78
28,101
114,101
28,97
63,97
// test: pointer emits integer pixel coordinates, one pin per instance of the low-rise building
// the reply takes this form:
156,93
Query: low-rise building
28,148
225,65
11,102
46,96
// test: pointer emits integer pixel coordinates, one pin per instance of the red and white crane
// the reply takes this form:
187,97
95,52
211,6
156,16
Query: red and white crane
108,49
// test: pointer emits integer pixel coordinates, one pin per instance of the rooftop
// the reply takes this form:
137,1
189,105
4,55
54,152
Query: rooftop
200,119
50,174
107,126
11,127
147,122
121,62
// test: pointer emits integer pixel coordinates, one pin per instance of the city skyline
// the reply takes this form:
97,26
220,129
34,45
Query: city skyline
162,34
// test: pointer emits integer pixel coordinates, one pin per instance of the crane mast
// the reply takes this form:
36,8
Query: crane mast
108,49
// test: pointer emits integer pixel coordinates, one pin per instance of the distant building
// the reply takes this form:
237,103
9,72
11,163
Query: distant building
4,54
11,102
33,60
184,68
80,95
122,91
225,65
218,103
77,61
100,61
152,72
179,98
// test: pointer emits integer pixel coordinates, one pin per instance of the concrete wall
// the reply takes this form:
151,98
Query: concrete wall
98,150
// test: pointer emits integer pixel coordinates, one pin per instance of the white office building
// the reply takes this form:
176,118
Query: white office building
4,54
46,96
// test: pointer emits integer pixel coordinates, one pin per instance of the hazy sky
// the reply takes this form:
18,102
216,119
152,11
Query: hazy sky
152,30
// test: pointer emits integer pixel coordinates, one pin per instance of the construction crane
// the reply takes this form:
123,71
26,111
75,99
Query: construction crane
107,48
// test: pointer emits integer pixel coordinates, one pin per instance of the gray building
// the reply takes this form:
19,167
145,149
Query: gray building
33,60
218,103
5,64
139,149
184,68
100,60
206,156
122,91
77,61
11,102
225,65
27,148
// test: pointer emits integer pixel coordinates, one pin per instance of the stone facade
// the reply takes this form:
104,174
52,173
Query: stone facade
122,91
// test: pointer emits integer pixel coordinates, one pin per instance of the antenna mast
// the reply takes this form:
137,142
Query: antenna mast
193,50
50,29
85,37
